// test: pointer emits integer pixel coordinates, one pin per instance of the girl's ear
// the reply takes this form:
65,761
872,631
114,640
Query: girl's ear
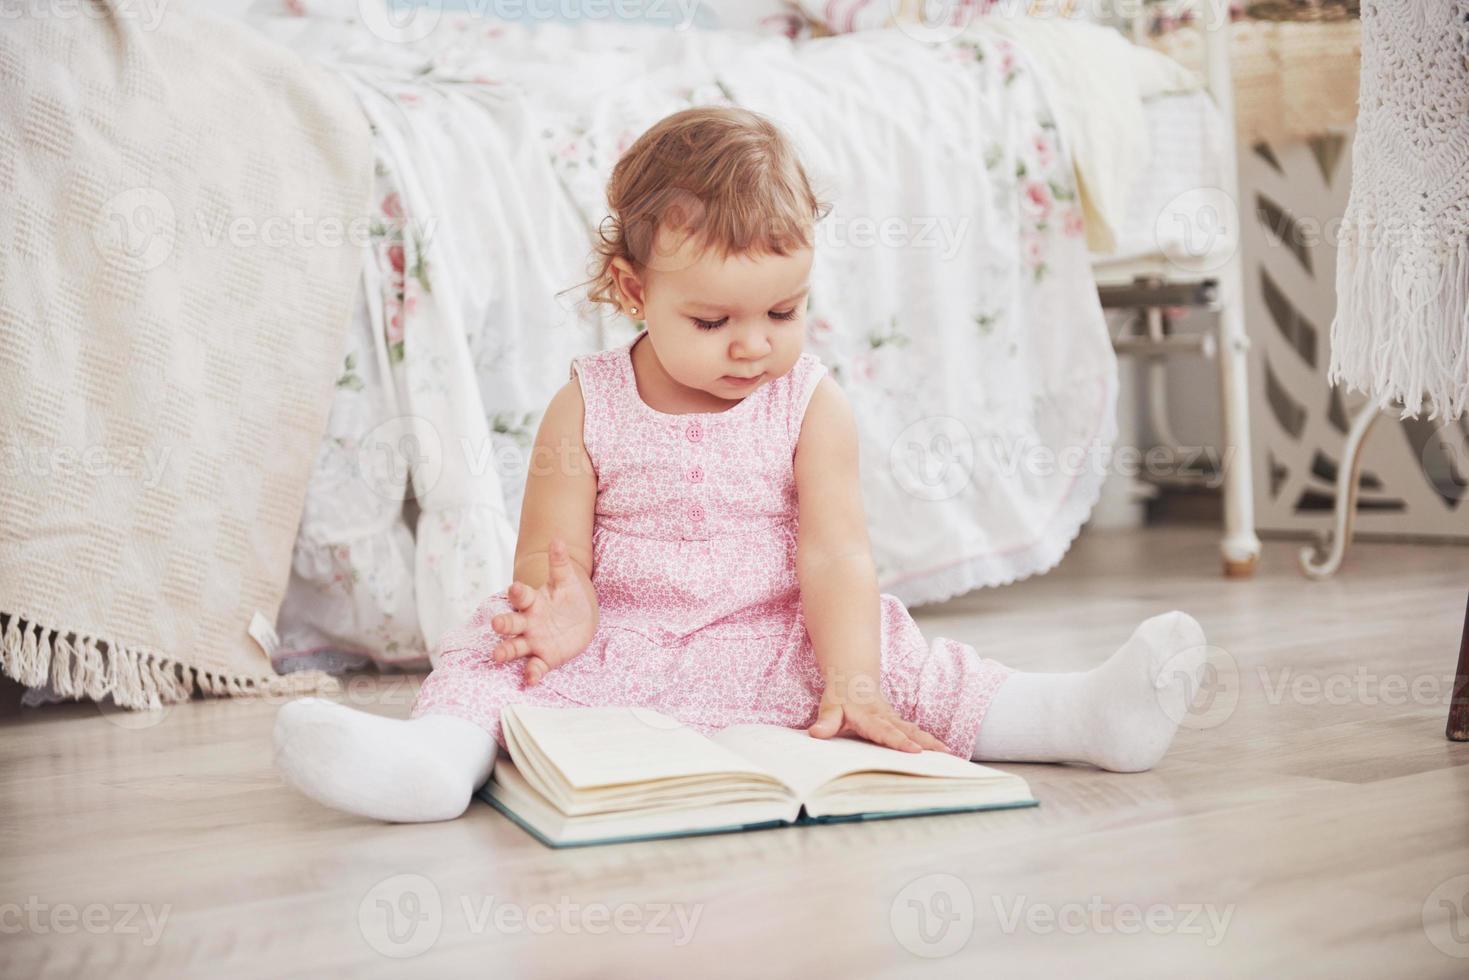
629,285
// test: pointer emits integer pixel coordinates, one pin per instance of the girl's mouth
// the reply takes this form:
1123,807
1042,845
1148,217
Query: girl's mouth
736,382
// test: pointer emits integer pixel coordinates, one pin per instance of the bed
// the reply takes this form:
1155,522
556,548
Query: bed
954,298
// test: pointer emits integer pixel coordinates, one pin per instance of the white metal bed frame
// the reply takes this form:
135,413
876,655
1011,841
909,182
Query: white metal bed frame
1221,289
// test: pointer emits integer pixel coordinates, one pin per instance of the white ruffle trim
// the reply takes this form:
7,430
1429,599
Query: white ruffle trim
989,569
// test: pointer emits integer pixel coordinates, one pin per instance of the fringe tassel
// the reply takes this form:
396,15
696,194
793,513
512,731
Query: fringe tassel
32,670
1401,330
123,683
44,649
123,673
77,667
98,672
115,668
62,659
10,647
162,686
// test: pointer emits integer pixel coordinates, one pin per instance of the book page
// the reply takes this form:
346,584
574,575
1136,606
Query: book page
510,788
805,763
594,747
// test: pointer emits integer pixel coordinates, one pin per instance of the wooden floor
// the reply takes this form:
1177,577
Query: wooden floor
1310,821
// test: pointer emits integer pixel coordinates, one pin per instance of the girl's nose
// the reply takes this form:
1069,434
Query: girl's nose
749,346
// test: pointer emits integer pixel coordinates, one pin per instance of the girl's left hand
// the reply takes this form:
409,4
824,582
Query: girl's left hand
873,719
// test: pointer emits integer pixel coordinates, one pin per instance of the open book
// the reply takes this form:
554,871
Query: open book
604,775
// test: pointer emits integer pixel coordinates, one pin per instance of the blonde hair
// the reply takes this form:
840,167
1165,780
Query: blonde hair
725,175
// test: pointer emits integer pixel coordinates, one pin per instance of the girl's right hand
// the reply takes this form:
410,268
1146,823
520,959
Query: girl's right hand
550,625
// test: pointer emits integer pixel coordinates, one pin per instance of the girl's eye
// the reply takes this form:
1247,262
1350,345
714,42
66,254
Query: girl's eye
709,324
789,314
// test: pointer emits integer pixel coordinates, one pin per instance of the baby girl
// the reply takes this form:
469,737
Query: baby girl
692,538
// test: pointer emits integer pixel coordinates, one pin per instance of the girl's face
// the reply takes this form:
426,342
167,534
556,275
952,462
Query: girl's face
712,320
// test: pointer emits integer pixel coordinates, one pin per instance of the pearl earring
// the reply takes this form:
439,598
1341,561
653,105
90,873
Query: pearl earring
633,311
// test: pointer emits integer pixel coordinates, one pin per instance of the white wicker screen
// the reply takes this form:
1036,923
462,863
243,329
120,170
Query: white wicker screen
1414,479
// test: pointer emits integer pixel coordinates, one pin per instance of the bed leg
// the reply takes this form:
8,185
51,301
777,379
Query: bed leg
1240,547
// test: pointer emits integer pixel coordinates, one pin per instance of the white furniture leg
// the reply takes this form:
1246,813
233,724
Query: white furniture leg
1240,547
1322,559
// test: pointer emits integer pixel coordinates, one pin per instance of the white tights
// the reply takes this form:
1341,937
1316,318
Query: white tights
1119,716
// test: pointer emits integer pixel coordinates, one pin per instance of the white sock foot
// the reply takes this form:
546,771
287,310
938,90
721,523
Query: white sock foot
1120,716
384,768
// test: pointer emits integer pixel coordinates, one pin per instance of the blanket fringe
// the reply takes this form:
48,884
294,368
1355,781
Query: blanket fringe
81,666
1401,330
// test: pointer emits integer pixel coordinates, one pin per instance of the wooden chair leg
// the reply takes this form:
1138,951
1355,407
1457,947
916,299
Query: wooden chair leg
1458,730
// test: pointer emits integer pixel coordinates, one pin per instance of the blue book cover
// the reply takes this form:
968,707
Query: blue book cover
801,821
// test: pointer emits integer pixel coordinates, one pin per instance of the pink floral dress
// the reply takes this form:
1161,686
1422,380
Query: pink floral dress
694,548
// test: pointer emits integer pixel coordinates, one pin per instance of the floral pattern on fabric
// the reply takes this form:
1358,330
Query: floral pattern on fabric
694,563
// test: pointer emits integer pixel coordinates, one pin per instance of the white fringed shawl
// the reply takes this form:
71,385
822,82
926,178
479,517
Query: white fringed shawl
1401,331
177,203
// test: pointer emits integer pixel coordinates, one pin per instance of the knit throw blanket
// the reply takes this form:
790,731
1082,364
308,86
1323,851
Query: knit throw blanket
1401,331
176,202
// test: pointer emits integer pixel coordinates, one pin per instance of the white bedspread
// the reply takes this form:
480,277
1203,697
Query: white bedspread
952,298
1095,81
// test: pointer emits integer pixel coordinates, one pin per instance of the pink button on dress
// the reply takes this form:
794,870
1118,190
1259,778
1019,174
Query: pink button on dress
694,545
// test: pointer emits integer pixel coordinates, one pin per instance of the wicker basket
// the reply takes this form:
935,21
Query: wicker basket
1292,78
